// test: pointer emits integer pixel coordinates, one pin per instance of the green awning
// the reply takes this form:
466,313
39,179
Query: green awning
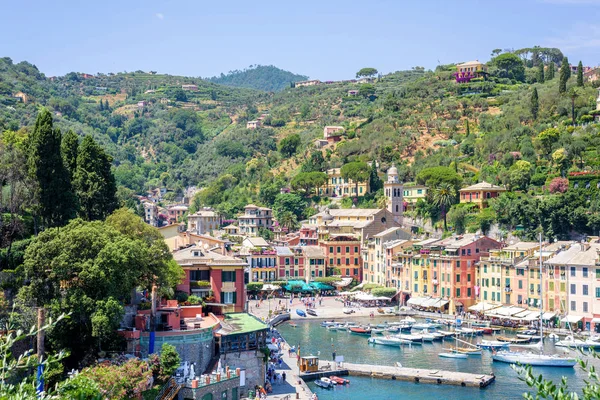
321,286
298,286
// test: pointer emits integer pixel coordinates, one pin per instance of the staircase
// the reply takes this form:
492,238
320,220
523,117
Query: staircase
169,390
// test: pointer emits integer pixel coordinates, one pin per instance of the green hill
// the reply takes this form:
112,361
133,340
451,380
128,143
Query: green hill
486,129
267,78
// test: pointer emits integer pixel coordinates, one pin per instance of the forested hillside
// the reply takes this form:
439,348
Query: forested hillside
267,78
524,124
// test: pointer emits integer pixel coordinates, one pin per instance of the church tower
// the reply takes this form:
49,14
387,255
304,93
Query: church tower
393,192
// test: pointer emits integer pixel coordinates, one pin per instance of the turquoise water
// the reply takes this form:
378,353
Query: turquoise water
314,339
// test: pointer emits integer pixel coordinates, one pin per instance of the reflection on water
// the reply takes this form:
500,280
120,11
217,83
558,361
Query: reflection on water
315,340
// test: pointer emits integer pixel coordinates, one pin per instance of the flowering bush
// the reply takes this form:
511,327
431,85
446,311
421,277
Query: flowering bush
559,185
120,381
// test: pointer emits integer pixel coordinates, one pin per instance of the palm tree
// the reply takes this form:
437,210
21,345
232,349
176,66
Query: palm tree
288,220
444,196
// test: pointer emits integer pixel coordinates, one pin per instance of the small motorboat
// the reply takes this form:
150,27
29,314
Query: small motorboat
325,383
389,341
378,331
553,336
453,355
493,345
348,311
339,381
360,331
312,312
293,325
524,336
300,312
326,324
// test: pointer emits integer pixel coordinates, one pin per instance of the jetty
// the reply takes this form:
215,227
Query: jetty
417,375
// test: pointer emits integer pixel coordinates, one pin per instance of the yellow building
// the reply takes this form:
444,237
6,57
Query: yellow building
412,194
337,186
480,193
471,66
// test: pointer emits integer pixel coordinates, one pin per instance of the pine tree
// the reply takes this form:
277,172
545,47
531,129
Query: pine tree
550,72
94,182
540,74
57,203
535,105
69,146
580,74
565,74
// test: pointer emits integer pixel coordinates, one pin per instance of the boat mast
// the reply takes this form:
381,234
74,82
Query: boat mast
541,298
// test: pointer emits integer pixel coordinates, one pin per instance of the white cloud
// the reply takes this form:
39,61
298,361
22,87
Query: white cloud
581,35
160,16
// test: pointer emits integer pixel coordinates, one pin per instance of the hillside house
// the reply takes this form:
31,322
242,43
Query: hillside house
191,88
412,194
592,75
254,218
480,193
337,186
469,70
204,221
142,104
312,82
333,134
253,124
176,212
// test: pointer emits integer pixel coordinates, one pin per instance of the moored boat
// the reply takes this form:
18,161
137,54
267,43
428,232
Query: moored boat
339,381
512,339
360,331
453,355
300,312
312,312
389,341
493,345
325,383
534,359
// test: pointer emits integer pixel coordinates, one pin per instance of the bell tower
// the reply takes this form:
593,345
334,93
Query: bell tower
394,194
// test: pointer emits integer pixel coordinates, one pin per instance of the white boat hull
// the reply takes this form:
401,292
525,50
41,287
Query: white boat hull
453,355
535,360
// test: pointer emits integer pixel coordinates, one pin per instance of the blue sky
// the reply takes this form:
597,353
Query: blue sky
327,39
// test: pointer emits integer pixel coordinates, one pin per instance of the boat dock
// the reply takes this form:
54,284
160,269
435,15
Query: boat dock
417,375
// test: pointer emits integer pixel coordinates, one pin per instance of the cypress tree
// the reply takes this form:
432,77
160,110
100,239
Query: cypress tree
69,147
106,105
565,74
535,105
374,181
580,74
94,182
540,74
550,72
56,203
101,105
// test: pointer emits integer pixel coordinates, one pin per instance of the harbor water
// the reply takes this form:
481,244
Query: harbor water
316,340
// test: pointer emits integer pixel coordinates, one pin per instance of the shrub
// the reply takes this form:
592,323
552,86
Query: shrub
181,297
194,300
169,361
384,292
254,286
559,185
200,284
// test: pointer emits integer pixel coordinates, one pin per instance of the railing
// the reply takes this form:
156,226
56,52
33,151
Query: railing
169,390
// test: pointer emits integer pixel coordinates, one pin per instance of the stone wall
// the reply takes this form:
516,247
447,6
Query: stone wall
252,362
230,386
193,346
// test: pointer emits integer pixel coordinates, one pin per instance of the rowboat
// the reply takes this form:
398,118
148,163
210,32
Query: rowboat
493,344
300,313
311,312
326,324
360,331
453,355
339,381
293,325
512,339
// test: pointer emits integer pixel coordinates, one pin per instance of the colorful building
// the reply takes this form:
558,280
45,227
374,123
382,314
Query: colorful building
254,218
412,193
314,262
480,193
342,252
207,271
469,70
375,255
337,186
261,258
203,221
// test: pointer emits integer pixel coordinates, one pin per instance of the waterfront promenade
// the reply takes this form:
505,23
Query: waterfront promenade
293,384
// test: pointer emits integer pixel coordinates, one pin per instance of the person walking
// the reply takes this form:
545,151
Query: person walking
283,375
